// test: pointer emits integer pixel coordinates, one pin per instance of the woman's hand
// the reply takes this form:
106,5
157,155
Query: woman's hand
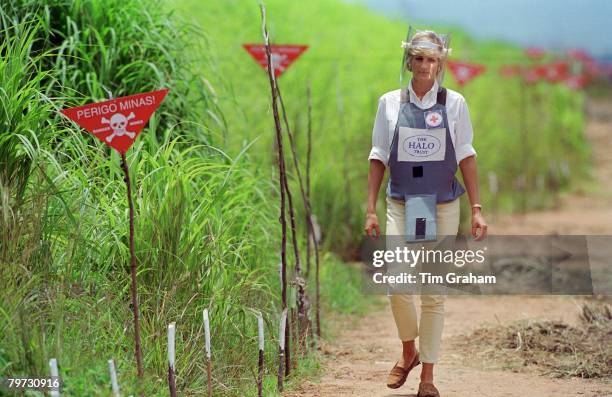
371,224
479,226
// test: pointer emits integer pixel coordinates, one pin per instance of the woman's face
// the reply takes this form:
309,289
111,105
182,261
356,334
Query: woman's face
424,68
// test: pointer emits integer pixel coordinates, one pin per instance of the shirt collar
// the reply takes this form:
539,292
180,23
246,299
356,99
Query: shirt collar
429,99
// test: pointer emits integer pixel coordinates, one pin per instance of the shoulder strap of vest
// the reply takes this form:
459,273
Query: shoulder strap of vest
441,96
404,95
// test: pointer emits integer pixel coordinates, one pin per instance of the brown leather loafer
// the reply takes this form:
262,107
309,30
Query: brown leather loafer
398,375
427,390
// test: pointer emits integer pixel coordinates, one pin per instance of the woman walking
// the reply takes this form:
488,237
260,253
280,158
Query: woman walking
422,134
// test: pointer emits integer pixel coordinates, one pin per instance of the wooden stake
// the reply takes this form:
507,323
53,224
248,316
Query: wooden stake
301,283
309,229
281,164
133,270
308,157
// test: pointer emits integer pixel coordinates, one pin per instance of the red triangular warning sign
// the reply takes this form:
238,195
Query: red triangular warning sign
463,72
282,55
555,72
117,122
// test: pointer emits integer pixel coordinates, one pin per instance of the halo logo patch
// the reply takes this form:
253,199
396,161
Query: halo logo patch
420,144
433,119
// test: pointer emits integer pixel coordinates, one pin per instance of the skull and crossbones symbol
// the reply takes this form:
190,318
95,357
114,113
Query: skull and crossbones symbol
118,123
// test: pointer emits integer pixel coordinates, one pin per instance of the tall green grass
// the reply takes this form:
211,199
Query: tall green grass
24,108
206,223
118,48
354,57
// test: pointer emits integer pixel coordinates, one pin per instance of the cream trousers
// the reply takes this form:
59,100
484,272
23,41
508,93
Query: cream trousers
430,327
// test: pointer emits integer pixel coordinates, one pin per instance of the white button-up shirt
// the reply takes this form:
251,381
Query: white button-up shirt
457,113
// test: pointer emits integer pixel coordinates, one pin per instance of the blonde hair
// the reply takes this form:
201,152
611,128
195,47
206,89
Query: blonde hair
426,43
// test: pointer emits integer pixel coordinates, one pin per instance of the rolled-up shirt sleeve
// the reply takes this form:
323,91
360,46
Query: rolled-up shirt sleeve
380,135
464,134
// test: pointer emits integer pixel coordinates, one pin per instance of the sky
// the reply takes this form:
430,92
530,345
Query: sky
552,24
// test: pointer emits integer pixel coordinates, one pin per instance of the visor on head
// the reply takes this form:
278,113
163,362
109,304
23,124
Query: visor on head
425,42
425,45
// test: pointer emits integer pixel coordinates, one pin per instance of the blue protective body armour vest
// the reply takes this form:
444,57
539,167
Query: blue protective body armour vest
422,165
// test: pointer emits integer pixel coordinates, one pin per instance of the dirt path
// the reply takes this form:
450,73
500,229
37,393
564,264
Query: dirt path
357,363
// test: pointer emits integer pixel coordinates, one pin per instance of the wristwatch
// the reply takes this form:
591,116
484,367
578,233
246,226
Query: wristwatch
477,206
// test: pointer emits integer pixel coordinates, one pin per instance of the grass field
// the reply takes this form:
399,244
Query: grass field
206,230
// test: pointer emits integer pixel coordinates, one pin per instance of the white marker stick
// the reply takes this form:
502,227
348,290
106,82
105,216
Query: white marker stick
55,375
206,332
171,333
208,355
113,376
260,329
565,169
316,229
283,324
493,184
260,359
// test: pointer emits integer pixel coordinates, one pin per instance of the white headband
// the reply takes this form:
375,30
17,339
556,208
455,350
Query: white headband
425,45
